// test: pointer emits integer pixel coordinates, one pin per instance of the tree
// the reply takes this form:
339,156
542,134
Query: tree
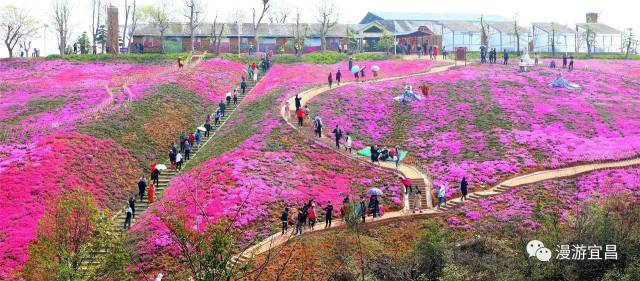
629,42
69,234
484,30
516,33
265,7
589,37
216,36
135,15
352,40
101,37
127,8
328,18
84,43
192,12
280,13
159,17
15,26
299,36
25,46
386,41
62,13
96,8
553,31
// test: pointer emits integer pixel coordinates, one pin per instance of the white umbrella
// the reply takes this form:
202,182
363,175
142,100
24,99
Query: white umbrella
375,191
202,129
375,68
161,167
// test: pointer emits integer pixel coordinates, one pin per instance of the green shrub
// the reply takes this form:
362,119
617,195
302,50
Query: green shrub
135,58
323,57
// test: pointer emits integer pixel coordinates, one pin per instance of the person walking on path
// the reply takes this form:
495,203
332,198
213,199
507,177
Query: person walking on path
350,63
298,102
435,52
338,135
328,215
338,77
396,157
182,138
407,183
228,98
311,214
187,150
243,86
198,137
222,108
356,75
192,139
155,176
330,79
442,196
216,118
464,186
505,57
235,97
142,186
564,61
301,219
132,205
179,161
374,153
570,63
307,112
255,75
284,219
300,115
348,143
362,211
127,219
362,73
172,159
417,200
287,110
444,53
317,126
152,192
373,206
207,127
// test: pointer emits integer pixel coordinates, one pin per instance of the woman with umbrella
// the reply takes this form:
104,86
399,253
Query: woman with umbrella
362,72
374,206
375,69
356,72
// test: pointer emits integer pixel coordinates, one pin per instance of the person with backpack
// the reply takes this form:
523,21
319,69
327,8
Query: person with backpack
338,135
284,219
155,176
328,215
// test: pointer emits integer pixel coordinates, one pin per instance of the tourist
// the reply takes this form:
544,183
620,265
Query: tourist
132,205
222,108
356,75
338,135
424,88
182,137
350,63
174,148
417,200
564,61
298,101
374,153
235,97
180,63
362,211
536,58
419,51
330,79
552,64
300,115
216,117
442,196
348,143
345,208
570,63
483,54
328,214
307,112
338,77
243,86
142,186
317,126
152,192
311,215
207,126
179,161
287,110
250,71
254,73
444,53
172,159
435,52
127,220
284,219
505,57
464,188
192,139
362,72
250,50
198,137
373,205
155,176
407,183
397,156
300,222
228,98
187,150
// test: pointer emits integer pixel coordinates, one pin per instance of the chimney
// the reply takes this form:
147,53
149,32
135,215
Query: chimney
592,17
113,30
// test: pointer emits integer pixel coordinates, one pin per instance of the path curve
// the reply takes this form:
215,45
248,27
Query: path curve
271,242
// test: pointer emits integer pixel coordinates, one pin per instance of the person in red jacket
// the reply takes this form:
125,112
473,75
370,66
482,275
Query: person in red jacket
300,115
407,184
192,139
312,215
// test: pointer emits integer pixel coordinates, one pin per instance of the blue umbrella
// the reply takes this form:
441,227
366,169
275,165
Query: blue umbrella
355,69
375,191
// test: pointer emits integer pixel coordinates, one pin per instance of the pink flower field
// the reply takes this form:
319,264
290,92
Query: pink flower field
490,122
627,68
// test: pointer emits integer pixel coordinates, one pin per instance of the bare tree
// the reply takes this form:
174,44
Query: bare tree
25,46
629,42
62,13
127,8
192,12
134,23
158,16
299,37
554,30
484,32
516,33
96,7
16,25
328,18
589,37
265,7
216,36
280,13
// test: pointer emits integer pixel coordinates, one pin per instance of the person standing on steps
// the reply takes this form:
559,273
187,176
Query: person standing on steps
338,135
183,137
127,219
301,219
338,77
222,109
228,98
317,126
300,115
132,205
284,219
243,86
396,152
442,196
464,188
408,185
207,126
328,215
298,101
235,97
179,161
192,140
255,73
417,200
216,118
348,143
187,150
155,176
198,137
330,79
172,159
142,186
152,192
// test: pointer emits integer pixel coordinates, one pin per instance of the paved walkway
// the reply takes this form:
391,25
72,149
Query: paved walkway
275,240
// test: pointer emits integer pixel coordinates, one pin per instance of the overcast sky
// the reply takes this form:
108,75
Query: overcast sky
620,14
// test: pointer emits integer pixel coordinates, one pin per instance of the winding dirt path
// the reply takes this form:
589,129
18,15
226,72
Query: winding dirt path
268,244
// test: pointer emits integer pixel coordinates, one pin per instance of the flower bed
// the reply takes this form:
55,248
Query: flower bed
489,122
55,165
628,68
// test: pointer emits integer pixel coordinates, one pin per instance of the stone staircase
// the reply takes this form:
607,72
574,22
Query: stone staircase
420,184
117,227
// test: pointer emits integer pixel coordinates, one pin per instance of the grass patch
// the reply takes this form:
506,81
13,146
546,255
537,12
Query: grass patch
135,58
37,106
148,127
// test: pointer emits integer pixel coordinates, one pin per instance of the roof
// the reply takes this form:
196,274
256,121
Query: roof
547,26
461,26
246,30
429,17
505,27
599,28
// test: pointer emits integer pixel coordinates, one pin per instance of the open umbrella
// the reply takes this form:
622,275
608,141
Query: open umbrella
355,69
375,68
161,167
202,129
375,191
